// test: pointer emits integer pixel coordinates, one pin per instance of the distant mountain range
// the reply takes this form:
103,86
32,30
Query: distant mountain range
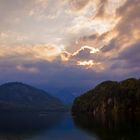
19,96
110,97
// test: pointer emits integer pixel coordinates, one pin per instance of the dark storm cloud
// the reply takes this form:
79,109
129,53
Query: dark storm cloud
128,33
83,54
131,56
112,45
127,63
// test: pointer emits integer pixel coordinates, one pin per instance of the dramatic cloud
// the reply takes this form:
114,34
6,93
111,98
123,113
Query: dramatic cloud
34,53
63,45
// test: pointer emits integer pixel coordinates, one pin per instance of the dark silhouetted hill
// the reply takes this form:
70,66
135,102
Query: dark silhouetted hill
110,97
19,96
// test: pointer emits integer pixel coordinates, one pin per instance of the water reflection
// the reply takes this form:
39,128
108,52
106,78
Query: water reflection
110,128
60,126
21,126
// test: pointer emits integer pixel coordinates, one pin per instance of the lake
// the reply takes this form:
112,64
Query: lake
62,126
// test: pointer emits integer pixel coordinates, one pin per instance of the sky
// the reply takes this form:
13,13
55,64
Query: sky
69,46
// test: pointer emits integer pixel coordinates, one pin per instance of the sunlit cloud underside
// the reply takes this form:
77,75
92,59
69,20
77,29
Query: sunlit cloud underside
94,36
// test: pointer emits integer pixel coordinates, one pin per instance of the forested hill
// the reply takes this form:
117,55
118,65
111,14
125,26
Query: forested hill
19,96
110,97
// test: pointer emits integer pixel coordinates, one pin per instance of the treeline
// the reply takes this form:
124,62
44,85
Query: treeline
110,97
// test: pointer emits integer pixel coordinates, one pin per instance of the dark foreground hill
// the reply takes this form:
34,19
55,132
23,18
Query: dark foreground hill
110,97
22,97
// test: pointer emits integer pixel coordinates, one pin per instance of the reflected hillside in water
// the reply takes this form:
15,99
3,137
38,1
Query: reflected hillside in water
19,125
110,128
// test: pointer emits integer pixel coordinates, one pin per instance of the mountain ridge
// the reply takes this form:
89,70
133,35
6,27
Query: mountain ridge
20,96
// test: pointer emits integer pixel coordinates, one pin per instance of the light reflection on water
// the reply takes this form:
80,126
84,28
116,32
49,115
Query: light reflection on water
121,127
40,126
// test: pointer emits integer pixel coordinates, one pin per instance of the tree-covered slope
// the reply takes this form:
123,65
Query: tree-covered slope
110,97
19,96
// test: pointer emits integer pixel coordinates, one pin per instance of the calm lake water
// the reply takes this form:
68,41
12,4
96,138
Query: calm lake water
62,126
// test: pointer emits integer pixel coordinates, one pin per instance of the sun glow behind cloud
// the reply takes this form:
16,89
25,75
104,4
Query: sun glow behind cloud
85,33
92,50
88,64
33,52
